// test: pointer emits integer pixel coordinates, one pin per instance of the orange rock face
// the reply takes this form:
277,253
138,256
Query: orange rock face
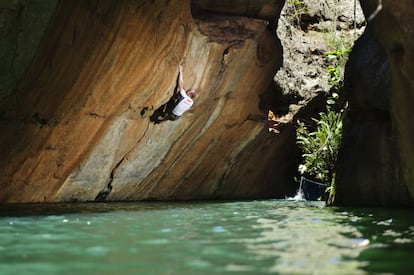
78,128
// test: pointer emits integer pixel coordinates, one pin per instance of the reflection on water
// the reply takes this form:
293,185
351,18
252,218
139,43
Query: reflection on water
255,237
320,245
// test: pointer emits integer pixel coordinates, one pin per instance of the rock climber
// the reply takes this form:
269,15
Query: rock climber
180,102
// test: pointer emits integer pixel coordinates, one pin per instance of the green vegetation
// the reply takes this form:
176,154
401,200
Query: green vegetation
337,57
295,9
320,141
320,149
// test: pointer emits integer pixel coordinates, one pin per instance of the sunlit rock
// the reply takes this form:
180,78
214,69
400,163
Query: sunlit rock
78,128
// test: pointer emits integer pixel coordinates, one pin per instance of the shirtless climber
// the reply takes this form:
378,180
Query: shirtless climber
180,102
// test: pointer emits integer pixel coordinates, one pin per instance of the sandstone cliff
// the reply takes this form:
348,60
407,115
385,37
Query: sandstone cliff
77,128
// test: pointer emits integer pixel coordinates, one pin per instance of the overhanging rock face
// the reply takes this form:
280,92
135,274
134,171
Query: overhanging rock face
78,128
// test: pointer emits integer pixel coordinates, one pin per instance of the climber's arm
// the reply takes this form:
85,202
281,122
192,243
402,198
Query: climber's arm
180,78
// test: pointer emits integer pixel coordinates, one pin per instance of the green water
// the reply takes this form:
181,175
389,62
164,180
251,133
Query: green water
256,237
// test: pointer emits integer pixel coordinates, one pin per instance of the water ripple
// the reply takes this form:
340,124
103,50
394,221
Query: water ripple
255,237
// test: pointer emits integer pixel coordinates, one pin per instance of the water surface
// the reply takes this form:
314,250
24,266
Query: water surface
253,237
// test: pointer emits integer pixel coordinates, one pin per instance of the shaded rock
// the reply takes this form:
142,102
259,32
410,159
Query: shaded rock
378,154
22,24
368,167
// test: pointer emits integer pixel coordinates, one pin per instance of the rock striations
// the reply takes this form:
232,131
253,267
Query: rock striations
78,128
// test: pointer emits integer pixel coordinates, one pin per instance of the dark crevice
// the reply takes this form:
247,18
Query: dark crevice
278,102
307,20
144,111
96,115
226,51
104,193
42,121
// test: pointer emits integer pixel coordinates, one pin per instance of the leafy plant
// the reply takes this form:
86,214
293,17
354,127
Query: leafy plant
320,148
335,75
337,59
338,53
320,144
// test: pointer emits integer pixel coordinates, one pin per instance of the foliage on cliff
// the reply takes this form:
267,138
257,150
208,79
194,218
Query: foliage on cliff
317,38
320,148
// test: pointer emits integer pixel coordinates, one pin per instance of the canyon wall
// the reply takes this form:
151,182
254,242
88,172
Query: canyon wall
375,165
76,122
77,127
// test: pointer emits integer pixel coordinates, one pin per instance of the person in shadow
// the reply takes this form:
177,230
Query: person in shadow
180,102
